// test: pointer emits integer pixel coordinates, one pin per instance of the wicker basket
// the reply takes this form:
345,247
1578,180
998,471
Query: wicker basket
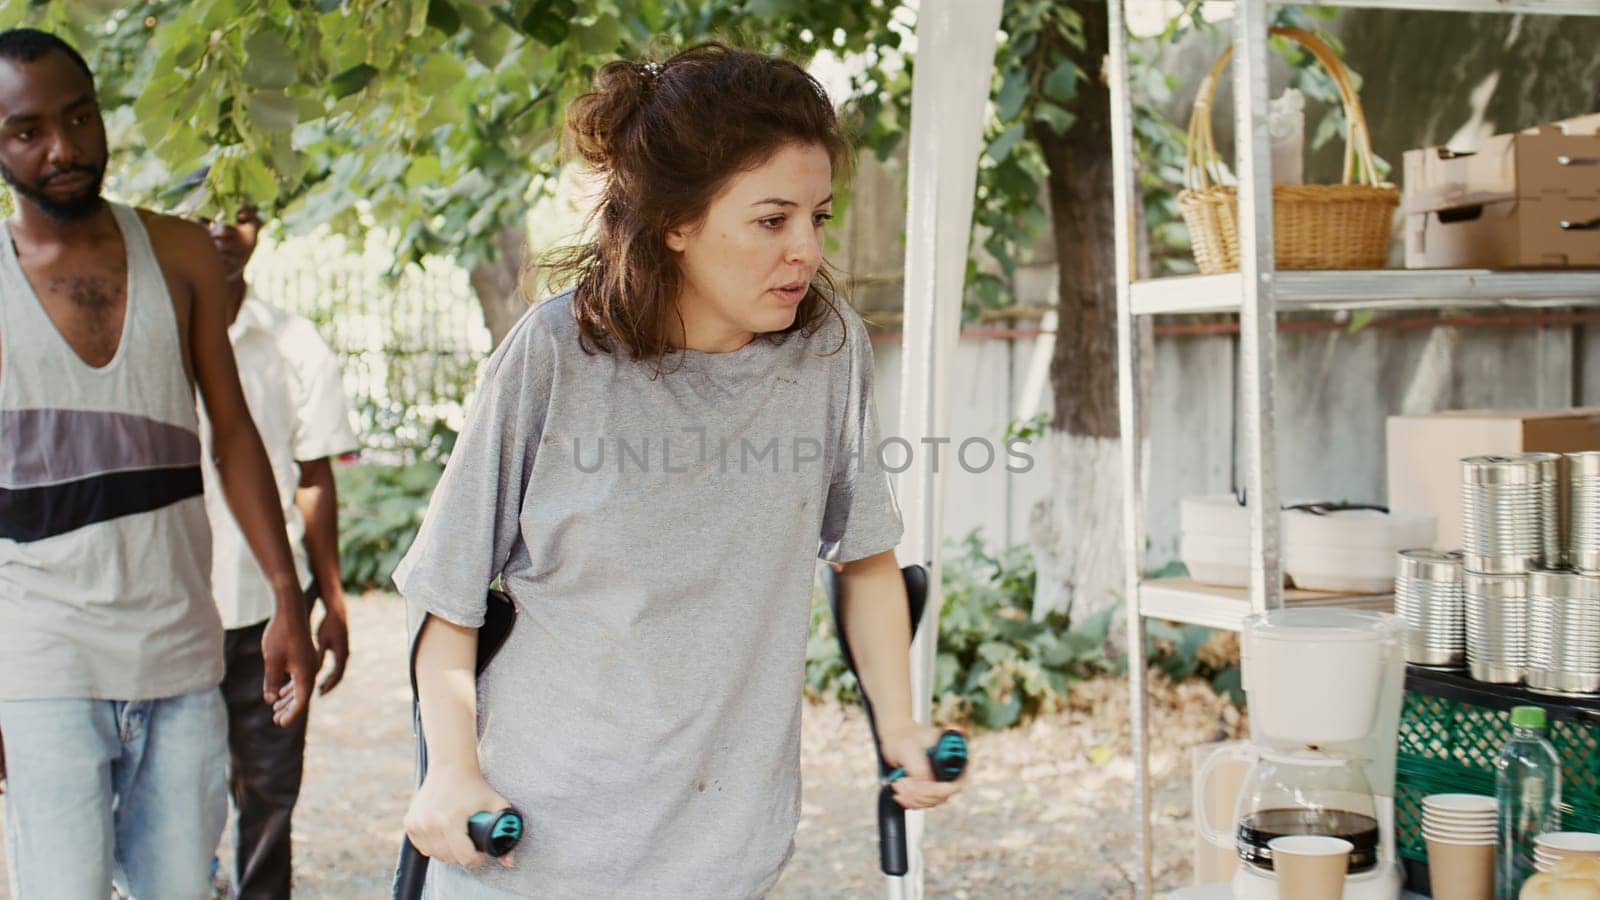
1314,226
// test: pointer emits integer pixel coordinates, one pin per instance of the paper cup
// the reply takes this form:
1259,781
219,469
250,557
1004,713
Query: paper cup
1440,815
1569,843
1461,871
1460,836
1459,826
1468,841
1310,866
1471,804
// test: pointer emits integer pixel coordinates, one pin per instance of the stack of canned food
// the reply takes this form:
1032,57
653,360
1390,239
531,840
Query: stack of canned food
1520,602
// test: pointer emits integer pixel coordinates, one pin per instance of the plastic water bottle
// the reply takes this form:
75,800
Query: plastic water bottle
1528,790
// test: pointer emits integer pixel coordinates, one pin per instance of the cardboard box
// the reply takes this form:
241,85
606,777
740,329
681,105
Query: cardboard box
1526,199
1425,453
1507,234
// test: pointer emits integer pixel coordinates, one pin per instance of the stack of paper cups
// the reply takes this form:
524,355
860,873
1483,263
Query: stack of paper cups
1460,832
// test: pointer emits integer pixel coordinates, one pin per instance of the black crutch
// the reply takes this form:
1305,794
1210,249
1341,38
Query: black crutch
494,832
948,757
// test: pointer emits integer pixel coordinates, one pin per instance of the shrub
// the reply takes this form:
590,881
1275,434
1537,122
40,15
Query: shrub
997,664
381,508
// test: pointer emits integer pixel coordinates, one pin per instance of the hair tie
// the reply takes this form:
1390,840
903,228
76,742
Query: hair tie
652,70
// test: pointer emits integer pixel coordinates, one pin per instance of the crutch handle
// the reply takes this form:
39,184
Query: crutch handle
948,759
495,833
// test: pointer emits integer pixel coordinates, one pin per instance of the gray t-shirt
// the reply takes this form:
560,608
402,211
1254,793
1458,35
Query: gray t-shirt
659,536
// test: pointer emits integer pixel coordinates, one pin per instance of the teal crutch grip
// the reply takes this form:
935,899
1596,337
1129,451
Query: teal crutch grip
495,833
947,758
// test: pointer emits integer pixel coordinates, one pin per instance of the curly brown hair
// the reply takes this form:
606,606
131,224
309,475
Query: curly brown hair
665,138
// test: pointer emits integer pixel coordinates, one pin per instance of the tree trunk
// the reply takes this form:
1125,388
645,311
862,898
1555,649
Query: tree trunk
496,283
1077,532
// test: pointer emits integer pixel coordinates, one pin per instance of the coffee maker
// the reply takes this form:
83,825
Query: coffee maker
1324,688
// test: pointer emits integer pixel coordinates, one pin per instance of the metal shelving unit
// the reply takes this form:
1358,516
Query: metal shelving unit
1385,289
1258,293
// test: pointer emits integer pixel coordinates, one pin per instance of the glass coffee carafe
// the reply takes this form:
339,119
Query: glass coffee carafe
1306,792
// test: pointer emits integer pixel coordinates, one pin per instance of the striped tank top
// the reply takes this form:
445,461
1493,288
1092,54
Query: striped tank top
105,551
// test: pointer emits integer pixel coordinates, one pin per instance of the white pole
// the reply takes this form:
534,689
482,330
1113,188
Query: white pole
1129,393
949,90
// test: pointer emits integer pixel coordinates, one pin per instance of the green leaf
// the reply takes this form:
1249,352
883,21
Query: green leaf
420,11
995,652
489,45
249,180
1013,91
771,9
1055,651
442,15
975,676
1360,319
1058,119
352,80
993,715
947,669
602,36
189,53
1060,684
1230,683
440,74
1174,569
1192,638
1062,84
423,172
1001,148
1097,627
1331,126
273,110
309,107
1159,630
549,22
269,63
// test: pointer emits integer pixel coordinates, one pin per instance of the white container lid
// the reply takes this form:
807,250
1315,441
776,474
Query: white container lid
1321,625
1389,531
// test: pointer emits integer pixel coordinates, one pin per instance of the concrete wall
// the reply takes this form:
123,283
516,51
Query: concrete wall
1335,391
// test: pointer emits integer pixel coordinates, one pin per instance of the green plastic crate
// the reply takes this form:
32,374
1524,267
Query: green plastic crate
1449,746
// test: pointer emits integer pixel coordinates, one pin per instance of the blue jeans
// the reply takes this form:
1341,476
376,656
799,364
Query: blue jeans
103,790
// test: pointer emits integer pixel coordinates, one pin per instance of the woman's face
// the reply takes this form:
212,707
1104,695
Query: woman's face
747,265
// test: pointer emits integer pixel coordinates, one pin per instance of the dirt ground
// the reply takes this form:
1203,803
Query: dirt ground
1047,812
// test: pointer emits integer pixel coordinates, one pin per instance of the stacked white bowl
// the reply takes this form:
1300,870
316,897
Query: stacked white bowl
1551,848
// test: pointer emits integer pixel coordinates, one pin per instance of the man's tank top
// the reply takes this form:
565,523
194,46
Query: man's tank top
105,552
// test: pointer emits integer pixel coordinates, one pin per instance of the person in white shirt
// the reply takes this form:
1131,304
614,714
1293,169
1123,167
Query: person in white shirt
293,388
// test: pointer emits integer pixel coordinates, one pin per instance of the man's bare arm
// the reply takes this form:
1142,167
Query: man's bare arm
318,501
242,464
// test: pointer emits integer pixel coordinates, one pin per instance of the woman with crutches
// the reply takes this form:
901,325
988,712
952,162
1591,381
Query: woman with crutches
647,467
